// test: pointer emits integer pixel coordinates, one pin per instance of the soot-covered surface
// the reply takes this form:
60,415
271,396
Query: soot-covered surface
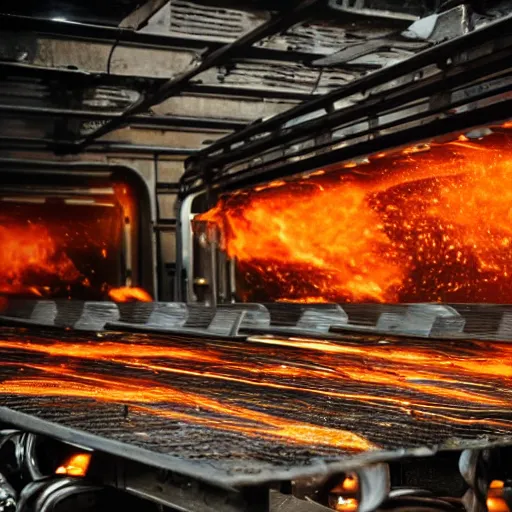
254,410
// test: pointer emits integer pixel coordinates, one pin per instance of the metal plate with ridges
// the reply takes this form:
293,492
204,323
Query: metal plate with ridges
75,314
449,321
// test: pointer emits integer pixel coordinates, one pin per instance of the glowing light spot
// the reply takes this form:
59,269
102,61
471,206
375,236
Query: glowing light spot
76,465
129,294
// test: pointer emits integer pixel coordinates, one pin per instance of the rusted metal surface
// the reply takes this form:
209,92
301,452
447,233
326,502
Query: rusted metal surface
262,408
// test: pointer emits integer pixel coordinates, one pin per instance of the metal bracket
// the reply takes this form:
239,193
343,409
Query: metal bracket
185,494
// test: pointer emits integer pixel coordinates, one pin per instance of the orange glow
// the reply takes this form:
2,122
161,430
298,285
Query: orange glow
343,497
429,383
127,200
30,249
495,501
129,294
420,370
60,249
350,483
135,391
497,505
430,223
76,465
343,504
111,351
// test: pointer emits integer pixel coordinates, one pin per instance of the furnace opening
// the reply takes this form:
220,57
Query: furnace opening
69,237
431,223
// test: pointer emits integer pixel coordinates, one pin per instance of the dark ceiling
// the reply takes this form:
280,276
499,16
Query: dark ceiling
72,72
109,12
112,12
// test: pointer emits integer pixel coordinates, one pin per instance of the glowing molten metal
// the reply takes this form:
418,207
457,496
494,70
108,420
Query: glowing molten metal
433,223
127,294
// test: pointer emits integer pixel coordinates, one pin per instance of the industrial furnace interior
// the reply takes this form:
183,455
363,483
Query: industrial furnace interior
43,252
428,223
70,237
256,256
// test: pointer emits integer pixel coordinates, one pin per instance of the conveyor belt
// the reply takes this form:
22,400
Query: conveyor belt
238,411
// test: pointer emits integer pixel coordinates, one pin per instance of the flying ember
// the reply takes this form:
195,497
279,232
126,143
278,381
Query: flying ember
431,223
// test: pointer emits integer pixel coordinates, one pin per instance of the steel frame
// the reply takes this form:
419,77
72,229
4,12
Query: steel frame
154,90
32,145
427,77
90,32
218,57
96,79
158,122
212,52
80,79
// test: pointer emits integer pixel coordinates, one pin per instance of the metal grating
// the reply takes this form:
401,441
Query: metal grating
258,409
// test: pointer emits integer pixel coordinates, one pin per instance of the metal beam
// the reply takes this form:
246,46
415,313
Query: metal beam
436,128
138,18
220,56
432,56
124,36
194,496
40,145
158,122
119,147
89,32
247,92
96,79
393,99
86,77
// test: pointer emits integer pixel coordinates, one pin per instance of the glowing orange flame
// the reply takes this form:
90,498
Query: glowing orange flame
429,224
65,250
495,501
420,370
343,497
76,465
497,505
350,483
343,504
129,294
29,253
